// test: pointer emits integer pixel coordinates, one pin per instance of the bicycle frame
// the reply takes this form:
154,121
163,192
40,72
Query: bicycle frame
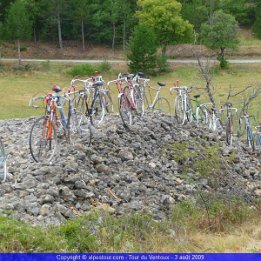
3,159
183,94
229,122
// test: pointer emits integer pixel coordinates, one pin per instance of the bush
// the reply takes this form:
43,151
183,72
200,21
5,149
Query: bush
257,23
142,50
223,63
89,69
162,63
211,212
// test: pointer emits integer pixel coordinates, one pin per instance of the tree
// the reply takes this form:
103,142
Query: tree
18,25
220,33
165,18
82,14
142,50
257,23
53,10
191,10
240,9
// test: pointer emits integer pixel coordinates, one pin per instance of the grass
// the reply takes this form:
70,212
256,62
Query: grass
18,87
186,230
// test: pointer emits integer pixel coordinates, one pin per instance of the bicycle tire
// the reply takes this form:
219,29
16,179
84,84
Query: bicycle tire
108,102
80,126
202,115
178,110
43,148
188,112
229,132
139,99
250,139
98,110
125,110
258,140
162,106
3,165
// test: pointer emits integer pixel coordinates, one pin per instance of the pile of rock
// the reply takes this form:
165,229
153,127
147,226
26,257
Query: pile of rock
146,168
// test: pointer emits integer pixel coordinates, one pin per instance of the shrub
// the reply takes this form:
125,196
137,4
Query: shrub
142,50
162,63
89,69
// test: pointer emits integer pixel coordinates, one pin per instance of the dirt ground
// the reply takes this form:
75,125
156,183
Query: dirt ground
73,50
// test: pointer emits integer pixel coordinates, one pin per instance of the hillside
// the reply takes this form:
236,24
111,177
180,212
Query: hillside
249,47
150,168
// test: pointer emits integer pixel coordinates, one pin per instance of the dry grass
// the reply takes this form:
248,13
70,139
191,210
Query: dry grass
18,88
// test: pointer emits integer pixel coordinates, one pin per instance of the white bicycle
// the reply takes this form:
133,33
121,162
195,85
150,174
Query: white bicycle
3,167
182,104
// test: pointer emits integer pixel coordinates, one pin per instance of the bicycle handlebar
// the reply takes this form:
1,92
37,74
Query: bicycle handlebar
33,100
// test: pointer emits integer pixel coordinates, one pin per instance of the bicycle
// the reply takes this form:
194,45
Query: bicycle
3,162
201,112
249,133
215,123
258,136
159,104
126,100
182,104
95,102
44,134
229,122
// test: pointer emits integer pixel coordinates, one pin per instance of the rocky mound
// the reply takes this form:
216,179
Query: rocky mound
146,168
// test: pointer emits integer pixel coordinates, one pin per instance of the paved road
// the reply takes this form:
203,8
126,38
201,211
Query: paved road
191,61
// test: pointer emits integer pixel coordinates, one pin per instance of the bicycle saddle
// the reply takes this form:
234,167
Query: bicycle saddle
140,74
161,84
56,88
196,96
228,104
97,84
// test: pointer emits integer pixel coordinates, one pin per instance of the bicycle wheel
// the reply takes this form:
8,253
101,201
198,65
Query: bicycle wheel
258,141
80,126
250,138
3,167
138,99
179,111
43,140
189,110
202,115
162,106
125,110
98,110
108,102
229,132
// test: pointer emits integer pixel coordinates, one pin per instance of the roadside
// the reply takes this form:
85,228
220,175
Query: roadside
250,48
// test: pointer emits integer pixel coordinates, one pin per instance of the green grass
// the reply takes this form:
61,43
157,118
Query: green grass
227,226
18,87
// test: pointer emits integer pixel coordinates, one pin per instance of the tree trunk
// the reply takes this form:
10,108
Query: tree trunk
83,37
19,52
164,50
222,53
124,36
59,31
113,37
35,34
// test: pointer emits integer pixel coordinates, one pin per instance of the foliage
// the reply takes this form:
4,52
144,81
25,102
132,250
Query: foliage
162,63
257,23
77,235
17,236
212,212
166,20
88,69
191,10
142,50
18,24
220,32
